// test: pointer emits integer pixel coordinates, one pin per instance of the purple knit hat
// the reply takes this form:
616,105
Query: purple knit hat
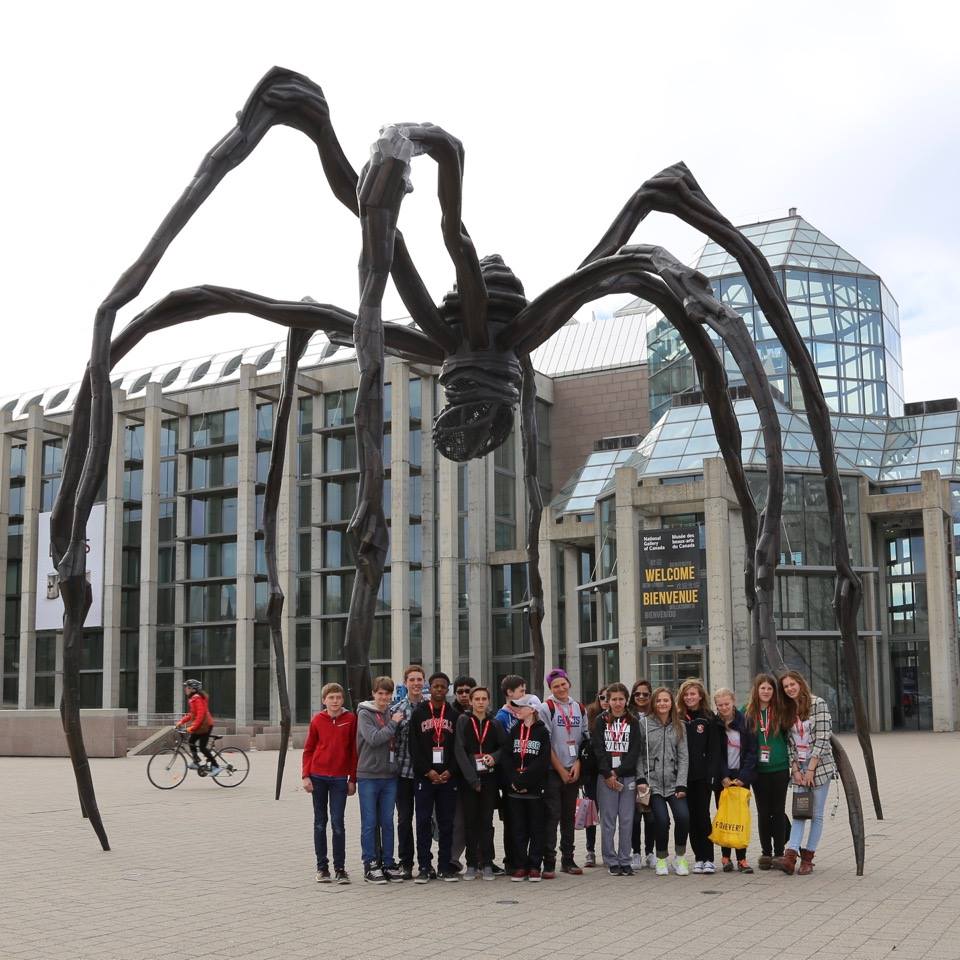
555,674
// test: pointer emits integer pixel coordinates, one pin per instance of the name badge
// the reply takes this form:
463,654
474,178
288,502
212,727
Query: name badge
481,766
615,760
803,752
764,754
437,755
393,757
571,750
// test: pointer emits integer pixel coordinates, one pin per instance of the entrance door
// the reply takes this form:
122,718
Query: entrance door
669,668
599,666
910,676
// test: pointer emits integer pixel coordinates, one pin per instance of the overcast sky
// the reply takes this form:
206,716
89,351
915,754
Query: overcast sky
847,111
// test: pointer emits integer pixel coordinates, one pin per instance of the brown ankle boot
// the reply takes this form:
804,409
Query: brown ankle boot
787,863
806,863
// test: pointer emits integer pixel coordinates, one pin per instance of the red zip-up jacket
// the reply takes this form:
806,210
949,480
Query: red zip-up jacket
331,746
199,715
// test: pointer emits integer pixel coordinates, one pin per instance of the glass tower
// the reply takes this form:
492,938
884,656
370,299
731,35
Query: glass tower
845,313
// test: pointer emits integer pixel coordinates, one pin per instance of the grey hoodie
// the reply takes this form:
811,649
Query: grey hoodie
666,757
375,743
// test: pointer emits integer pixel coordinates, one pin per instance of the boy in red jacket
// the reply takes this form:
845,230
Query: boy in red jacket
329,771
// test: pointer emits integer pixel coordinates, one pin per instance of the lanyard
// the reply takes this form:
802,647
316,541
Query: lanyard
764,724
480,736
617,731
524,741
438,724
566,718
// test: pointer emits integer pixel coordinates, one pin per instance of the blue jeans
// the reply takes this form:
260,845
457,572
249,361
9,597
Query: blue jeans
377,797
661,823
332,790
816,824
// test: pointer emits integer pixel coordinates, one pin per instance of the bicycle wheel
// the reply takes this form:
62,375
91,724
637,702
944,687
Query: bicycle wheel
234,765
167,769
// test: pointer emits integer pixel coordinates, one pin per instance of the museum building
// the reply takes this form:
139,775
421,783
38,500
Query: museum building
626,446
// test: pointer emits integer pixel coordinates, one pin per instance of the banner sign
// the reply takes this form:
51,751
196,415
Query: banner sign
49,602
669,576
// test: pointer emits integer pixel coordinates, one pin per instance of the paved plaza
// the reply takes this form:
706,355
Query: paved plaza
206,872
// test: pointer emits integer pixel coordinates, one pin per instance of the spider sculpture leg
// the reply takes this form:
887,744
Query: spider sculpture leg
531,477
297,341
674,190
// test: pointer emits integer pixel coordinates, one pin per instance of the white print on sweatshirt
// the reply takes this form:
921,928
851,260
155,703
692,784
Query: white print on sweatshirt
612,735
533,747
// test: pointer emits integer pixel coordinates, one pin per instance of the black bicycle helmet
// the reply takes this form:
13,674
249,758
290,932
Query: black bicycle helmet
193,684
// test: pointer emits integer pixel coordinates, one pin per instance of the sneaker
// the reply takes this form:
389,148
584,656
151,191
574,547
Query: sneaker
423,876
626,871
470,873
662,868
374,875
744,867
215,771
697,867
341,876
614,871
518,875
572,869
488,873
637,861
497,870
450,876
192,766
727,865
651,860
534,876
454,866
393,875
549,873
433,874
709,866
680,866
406,872
323,876
590,860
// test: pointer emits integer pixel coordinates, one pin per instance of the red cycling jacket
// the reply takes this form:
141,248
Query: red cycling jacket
200,717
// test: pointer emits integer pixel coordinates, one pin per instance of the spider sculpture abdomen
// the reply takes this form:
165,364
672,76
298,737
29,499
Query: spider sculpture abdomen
481,386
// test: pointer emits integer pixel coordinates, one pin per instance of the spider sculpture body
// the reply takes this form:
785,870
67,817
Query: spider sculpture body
481,337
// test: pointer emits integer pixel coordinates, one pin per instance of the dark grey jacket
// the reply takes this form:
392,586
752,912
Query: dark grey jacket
376,733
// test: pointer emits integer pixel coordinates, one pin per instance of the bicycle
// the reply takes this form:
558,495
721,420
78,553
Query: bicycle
168,767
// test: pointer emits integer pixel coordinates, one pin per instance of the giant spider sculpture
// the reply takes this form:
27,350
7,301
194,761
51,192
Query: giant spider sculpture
481,336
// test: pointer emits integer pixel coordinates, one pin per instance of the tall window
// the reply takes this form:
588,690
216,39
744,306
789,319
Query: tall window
166,568
512,650
505,495
130,564
303,607
13,583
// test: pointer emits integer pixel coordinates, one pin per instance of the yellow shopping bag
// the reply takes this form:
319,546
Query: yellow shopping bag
731,825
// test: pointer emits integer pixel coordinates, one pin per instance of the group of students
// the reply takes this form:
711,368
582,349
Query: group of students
643,756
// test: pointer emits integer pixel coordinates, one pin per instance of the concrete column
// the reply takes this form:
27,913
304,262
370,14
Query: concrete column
478,570
246,544
180,598
428,522
940,602
5,445
447,556
628,574
287,520
716,509
571,614
149,555
113,558
551,592
28,578
399,466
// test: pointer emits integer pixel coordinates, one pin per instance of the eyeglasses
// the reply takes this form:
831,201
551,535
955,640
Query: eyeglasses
464,689
602,696
640,693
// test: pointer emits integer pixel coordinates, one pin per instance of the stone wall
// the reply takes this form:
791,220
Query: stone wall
39,733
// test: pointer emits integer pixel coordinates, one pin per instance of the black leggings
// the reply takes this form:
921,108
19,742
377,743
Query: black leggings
643,819
770,794
200,740
699,793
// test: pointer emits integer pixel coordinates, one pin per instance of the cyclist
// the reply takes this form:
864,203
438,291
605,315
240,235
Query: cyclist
199,723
